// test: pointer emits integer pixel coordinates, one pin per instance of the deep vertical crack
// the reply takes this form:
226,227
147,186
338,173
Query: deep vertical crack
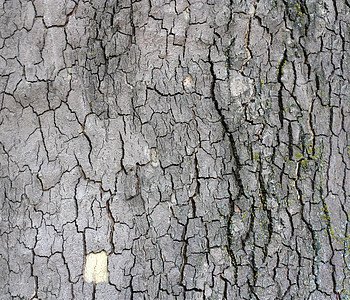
279,80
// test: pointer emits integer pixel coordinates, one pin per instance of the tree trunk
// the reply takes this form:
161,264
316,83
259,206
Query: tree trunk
187,149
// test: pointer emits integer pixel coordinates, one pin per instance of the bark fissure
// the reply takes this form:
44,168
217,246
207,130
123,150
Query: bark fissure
201,147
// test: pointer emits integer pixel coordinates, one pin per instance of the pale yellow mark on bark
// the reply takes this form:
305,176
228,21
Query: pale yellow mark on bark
154,157
237,209
69,73
188,80
96,267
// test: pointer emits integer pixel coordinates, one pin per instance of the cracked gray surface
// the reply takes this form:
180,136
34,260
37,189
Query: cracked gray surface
203,144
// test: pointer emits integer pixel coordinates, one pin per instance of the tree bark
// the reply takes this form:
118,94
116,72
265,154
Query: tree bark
161,149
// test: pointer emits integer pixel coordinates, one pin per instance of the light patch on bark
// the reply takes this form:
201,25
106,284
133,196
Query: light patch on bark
96,267
154,157
188,81
240,84
237,224
186,14
237,209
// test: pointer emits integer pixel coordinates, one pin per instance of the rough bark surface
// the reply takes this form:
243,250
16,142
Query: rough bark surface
202,145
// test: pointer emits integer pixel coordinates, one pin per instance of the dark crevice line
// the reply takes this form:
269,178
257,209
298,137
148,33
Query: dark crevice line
290,141
308,225
67,19
335,9
328,221
133,29
263,198
94,291
184,258
36,283
123,153
252,282
235,156
193,203
305,11
225,286
299,262
311,150
112,220
196,165
279,80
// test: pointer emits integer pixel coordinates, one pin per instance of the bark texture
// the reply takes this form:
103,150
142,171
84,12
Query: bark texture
200,148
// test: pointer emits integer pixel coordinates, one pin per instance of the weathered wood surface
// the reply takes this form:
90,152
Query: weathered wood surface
202,145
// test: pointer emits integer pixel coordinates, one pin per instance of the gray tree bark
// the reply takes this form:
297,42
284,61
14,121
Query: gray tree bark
161,149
